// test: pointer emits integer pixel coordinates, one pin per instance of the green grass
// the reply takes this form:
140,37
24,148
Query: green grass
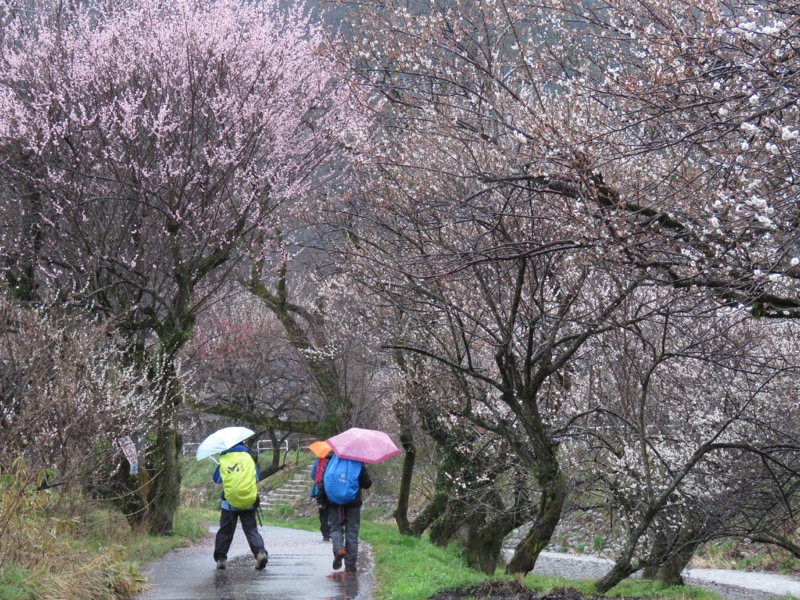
14,584
408,568
284,512
626,589
305,523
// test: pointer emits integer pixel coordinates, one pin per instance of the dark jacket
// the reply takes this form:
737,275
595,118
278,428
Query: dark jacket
317,471
364,483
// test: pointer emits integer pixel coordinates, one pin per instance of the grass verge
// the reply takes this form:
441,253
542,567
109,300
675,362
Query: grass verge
408,568
91,554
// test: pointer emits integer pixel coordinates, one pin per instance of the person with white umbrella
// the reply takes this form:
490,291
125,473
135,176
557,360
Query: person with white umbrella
344,477
239,474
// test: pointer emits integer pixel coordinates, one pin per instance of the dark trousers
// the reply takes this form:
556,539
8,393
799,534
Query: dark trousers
227,527
345,521
324,527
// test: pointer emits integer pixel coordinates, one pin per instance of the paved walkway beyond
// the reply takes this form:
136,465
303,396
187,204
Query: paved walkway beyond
727,584
299,568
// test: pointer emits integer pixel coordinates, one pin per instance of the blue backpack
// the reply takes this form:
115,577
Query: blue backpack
341,480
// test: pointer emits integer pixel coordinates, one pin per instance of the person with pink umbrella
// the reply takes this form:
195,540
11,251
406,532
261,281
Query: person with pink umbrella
345,477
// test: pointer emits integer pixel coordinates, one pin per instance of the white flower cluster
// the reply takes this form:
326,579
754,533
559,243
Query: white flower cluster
69,390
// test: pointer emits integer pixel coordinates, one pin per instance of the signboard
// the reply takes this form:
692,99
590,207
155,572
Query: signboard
129,449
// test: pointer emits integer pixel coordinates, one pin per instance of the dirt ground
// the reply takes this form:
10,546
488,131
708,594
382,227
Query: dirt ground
511,590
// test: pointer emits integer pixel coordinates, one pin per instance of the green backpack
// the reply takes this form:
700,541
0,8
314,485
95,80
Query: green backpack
238,473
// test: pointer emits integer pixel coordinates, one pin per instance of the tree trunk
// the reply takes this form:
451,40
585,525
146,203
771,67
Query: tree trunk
430,514
165,486
621,570
444,529
276,451
658,548
409,458
554,491
667,562
485,542
483,547
650,572
164,451
622,567
127,492
671,572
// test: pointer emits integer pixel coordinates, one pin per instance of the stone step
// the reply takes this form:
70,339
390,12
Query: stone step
291,492
294,489
282,496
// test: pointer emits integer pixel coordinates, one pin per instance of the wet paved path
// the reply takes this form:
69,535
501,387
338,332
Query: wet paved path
728,584
299,568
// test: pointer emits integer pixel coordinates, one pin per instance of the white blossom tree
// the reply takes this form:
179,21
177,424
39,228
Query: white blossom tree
67,393
542,161
688,417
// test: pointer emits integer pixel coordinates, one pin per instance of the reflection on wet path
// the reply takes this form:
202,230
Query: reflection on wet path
299,568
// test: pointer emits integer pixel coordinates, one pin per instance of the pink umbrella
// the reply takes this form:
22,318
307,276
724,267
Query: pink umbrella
365,445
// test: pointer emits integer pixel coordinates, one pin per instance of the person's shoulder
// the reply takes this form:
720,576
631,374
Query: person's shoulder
236,448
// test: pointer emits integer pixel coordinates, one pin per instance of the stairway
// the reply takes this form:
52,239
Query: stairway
291,492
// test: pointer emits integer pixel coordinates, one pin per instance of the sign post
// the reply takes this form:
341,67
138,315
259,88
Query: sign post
129,449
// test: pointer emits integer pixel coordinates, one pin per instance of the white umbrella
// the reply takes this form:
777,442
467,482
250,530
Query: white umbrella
221,440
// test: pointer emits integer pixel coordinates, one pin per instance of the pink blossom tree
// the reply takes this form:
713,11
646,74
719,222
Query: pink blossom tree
243,367
145,147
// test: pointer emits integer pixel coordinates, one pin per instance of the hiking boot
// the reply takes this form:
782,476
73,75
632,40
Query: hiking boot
262,558
338,558
326,538
221,564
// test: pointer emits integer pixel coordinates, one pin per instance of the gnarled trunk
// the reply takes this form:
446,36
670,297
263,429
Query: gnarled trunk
162,460
483,546
551,504
165,486
409,460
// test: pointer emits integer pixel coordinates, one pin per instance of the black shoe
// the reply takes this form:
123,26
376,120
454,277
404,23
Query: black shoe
326,538
338,558
262,558
221,564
